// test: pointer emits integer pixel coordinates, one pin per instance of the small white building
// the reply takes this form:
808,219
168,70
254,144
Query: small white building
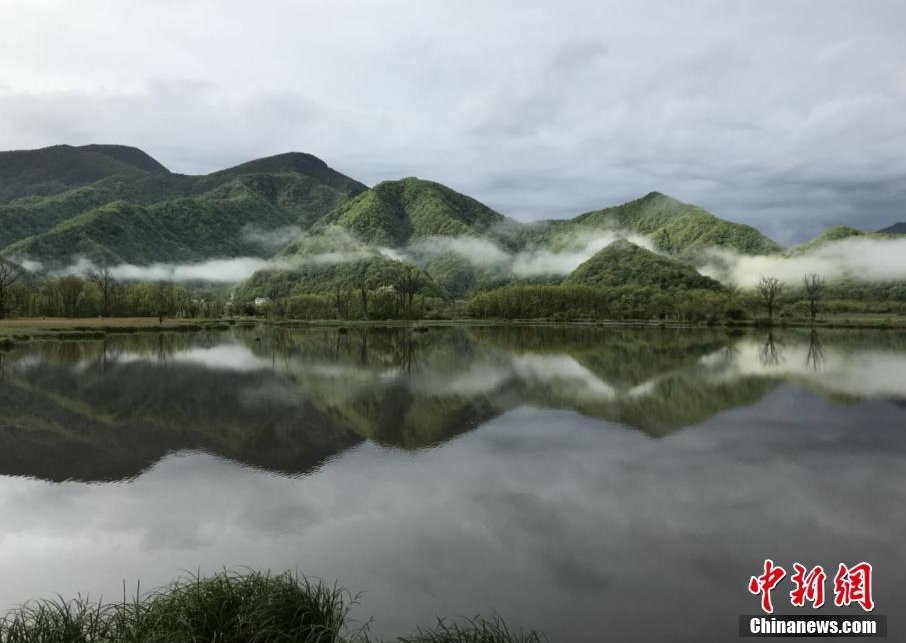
261,301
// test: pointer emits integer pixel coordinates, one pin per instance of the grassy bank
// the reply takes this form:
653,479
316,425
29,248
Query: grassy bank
227,608
17,330
24,329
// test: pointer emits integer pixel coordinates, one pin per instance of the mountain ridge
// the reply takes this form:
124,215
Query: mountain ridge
897,228
212,211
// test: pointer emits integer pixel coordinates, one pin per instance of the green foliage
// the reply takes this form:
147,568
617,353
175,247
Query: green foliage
678,228
73,296
251,607
570,302
142,217
625,264
394,212
224,607
371,273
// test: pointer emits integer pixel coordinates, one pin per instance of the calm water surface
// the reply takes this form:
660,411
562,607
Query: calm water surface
594,484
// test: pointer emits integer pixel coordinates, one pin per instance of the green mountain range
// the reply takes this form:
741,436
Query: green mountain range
117,204
463,246
324,231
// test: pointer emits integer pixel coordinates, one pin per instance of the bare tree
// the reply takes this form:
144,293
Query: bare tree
770,289
10,273
771,354
814,290
106,284
814,360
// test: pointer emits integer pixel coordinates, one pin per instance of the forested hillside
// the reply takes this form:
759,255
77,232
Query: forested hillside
625,264
677,228
118,205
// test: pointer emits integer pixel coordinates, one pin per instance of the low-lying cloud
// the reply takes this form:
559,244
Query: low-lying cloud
567,253
270,240
862,259
225,271
542,261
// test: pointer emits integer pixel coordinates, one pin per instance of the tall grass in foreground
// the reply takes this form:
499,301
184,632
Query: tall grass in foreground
225,608
477,630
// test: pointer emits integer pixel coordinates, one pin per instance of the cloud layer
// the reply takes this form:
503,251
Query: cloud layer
786,115
858,259
224,271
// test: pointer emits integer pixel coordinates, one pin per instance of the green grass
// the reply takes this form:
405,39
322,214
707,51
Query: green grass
229,607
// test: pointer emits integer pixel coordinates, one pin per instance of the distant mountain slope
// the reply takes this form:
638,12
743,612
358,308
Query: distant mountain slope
623,263
139,216
675,227
896,228
831,235
395,212
55,169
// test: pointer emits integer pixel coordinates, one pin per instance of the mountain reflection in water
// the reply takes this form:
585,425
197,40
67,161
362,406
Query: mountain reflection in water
579,481
286,400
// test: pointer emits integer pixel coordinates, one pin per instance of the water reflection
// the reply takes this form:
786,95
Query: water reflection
580,480
286,400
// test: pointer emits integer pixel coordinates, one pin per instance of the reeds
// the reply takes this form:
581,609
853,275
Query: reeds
229,607
226,608
474,630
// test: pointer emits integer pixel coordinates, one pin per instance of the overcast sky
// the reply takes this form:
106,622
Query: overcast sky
786,114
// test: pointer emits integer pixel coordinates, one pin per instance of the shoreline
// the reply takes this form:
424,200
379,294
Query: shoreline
14,331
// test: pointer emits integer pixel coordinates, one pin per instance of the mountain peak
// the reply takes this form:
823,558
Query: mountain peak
287,161
296,163
896,228
623,263
54,169
127,154
394,212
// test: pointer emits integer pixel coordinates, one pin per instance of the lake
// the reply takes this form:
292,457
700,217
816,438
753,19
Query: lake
590,482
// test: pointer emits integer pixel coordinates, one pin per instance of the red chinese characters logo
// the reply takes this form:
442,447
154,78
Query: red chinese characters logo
765,583
852,585
809,586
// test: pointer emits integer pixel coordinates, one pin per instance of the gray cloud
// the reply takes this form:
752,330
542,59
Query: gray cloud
788,116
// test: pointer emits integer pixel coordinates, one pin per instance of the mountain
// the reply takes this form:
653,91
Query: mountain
324,230
896,228
678,228
373,236
54,169
119,205
623,263
831,235
393,213
465,246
